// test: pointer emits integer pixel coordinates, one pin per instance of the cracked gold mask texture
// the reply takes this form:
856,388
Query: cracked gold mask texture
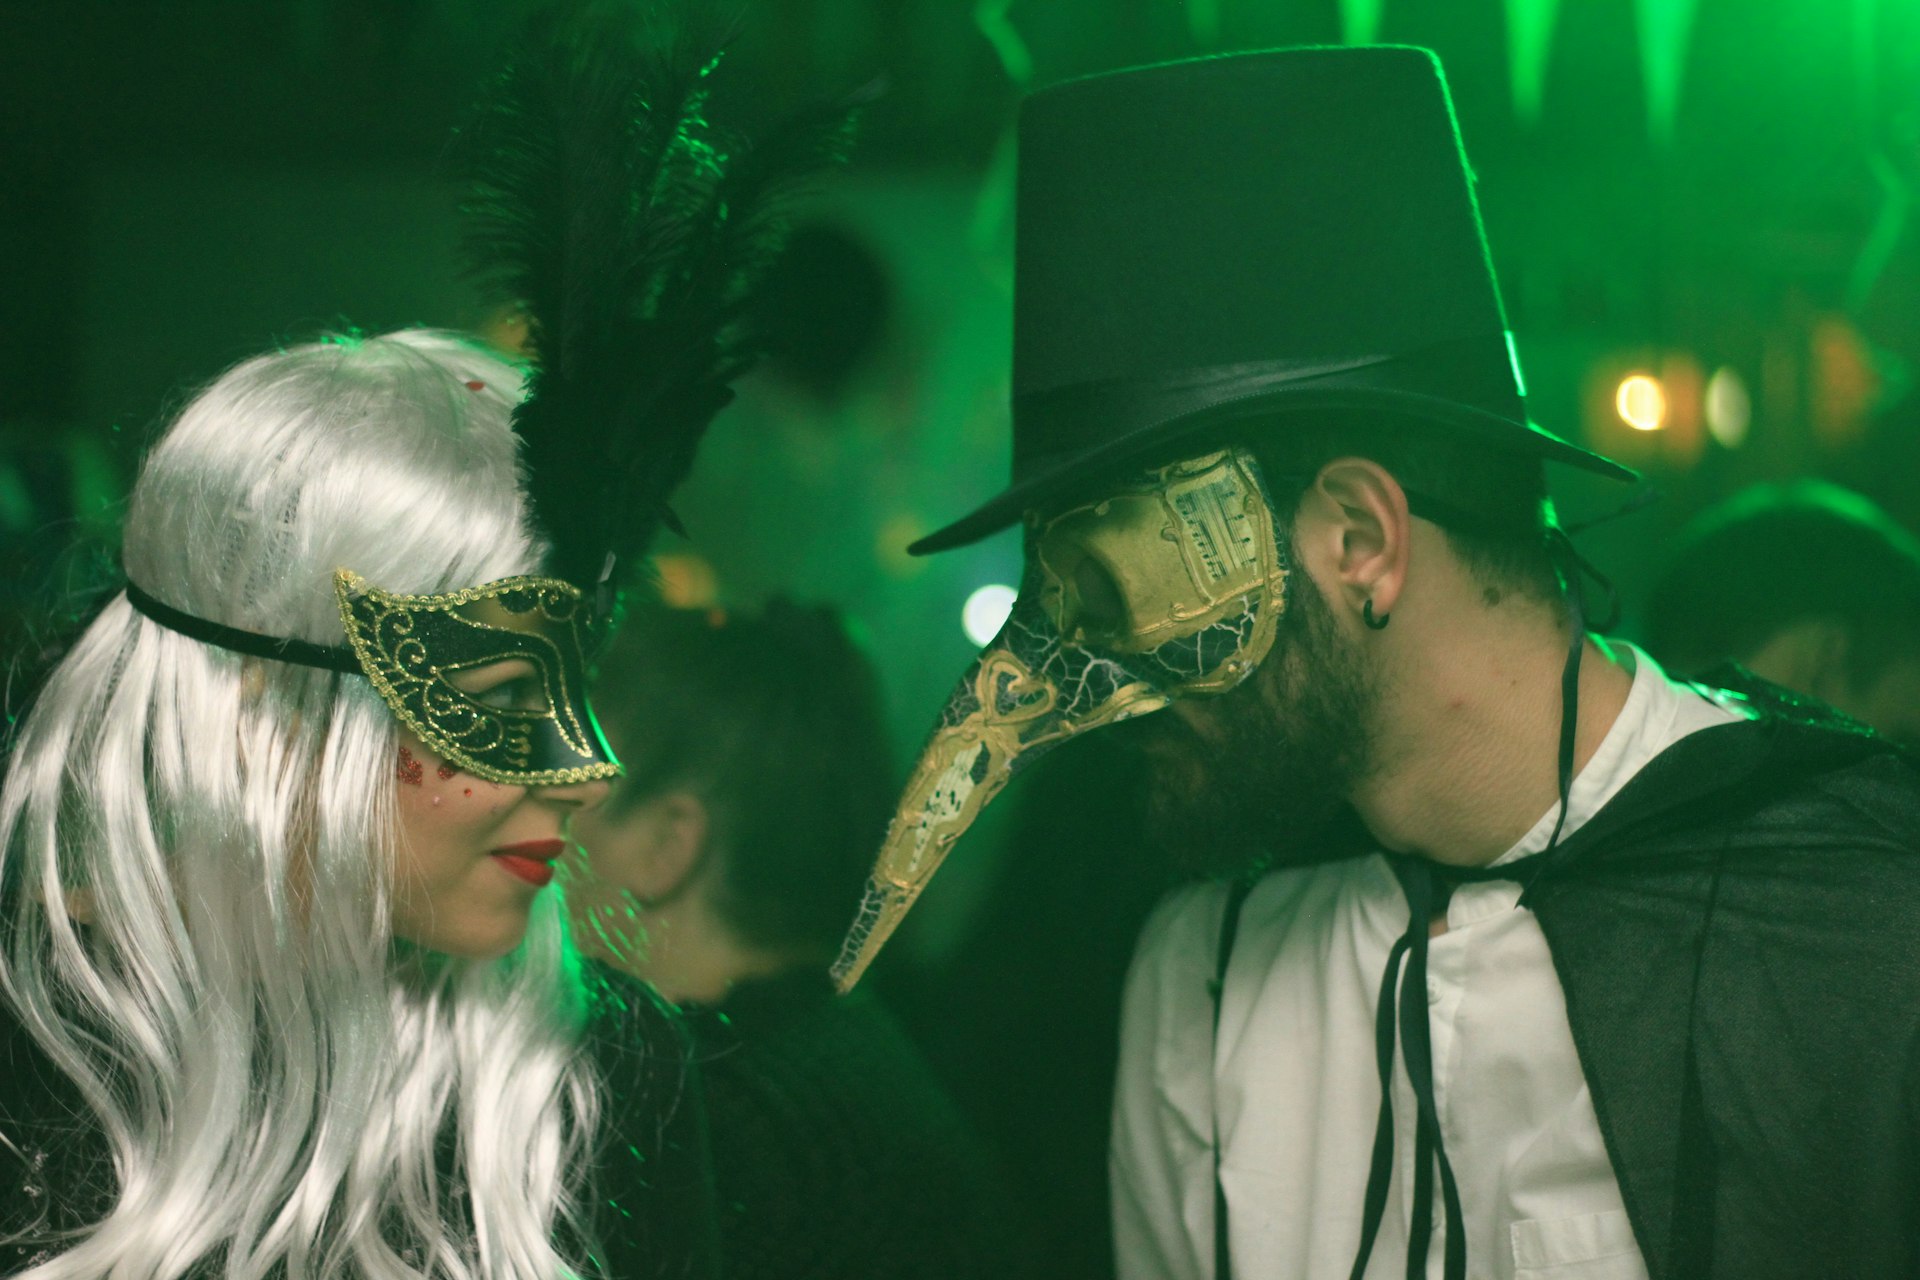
413,647
1168,586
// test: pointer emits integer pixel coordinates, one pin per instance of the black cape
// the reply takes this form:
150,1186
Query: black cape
1738,936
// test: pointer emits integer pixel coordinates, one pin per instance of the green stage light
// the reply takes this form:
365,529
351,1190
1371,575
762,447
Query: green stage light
1666,29
1360,21
1529,45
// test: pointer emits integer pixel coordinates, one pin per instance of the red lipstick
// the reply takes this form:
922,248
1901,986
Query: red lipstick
531,860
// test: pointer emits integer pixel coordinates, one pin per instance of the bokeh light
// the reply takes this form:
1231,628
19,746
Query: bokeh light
986,611
1729,407
686,581
1641,402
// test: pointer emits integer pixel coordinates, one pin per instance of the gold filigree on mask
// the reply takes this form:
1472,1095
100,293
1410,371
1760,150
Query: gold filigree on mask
412,647
1181,550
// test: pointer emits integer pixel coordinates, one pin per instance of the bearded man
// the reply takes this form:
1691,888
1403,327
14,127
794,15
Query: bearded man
1526,960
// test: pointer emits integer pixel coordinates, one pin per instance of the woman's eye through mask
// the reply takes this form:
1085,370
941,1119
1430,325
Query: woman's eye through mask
1170,586
504,686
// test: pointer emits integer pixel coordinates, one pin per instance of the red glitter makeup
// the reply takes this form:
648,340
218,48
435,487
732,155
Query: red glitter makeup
446,772
410,771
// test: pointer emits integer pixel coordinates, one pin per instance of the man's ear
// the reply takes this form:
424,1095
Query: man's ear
1355,521
666,858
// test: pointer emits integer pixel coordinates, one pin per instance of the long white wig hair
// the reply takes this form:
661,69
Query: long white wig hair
283,1086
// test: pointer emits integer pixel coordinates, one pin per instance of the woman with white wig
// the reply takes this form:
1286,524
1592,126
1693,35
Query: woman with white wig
273,945
282,989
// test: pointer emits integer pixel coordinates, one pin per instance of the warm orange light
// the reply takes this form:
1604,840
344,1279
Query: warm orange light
687,581
1641,402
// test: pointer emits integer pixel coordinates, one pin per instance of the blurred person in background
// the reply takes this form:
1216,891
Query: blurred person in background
723,873
1806,584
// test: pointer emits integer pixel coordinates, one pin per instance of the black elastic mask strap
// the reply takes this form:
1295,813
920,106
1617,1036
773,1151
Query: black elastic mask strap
1575,571
302,653
1560,548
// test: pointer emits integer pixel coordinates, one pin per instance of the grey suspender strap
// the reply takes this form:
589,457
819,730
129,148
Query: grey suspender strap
1229,927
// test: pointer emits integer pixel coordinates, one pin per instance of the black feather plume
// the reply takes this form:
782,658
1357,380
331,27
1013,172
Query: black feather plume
633,230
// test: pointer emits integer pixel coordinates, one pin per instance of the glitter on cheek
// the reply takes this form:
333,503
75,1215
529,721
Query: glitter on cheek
409,770
447,772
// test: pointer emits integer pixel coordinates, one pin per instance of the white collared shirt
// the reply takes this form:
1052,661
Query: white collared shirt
1293,1079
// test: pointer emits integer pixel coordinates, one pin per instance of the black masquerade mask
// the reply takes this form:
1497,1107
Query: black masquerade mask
1169,586
632,230
533,729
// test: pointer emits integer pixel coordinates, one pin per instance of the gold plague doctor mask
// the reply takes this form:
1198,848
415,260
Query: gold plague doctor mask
1170,586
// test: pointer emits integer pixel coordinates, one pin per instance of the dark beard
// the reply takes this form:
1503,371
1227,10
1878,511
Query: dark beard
1267,783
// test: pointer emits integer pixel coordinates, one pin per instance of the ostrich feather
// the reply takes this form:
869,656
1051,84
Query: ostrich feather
633,230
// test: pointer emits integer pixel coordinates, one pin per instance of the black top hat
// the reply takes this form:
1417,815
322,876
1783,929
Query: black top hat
1261,233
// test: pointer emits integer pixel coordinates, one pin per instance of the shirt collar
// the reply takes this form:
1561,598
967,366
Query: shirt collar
1643,729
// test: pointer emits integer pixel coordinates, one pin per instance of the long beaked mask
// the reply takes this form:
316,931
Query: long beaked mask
1170,586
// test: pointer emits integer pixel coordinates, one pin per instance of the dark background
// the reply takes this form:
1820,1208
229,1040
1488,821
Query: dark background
1671,188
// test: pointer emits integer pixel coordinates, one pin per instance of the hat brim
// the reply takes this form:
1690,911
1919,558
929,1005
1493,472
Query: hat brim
1054,479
